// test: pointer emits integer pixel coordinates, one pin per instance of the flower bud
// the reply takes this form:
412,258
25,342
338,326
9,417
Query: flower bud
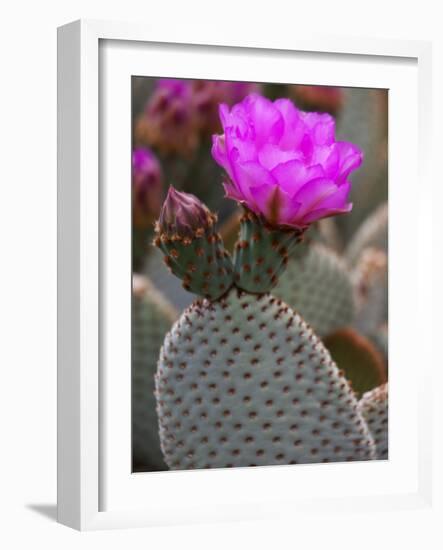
193,250
184,215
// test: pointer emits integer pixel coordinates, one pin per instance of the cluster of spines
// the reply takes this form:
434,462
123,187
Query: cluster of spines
262,253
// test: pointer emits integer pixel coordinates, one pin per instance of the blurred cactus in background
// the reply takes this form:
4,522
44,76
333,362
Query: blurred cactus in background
169,121
147,195
324,99
246,377
152,316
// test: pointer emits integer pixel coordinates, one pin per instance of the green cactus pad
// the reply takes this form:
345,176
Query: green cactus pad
261,253
201,261
318,286
362,363
243,381
152,317
374,407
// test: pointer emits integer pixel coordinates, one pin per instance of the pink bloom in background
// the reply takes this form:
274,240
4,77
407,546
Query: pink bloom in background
147,187
168,122
284,164
180,112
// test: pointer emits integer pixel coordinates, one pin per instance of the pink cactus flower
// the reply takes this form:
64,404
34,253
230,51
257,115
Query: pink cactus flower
283,164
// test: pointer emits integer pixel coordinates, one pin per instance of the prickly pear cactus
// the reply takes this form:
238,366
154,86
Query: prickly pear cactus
374,408
373,232
152,317
318,286
244,381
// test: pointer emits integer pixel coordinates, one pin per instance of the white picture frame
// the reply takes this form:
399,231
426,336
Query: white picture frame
96,489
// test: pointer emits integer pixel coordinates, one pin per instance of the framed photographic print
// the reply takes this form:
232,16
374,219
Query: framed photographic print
238,272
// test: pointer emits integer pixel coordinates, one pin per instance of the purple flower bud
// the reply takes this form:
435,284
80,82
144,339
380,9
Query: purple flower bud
147,187
283,164
184,215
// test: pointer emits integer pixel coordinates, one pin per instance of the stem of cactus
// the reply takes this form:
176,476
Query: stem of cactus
193,249
262,252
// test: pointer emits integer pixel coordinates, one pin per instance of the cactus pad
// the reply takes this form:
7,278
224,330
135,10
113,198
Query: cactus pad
374,407
261,253
243,381
152,317
317,285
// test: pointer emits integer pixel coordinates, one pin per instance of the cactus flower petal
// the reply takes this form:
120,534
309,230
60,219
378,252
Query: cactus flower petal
283,164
